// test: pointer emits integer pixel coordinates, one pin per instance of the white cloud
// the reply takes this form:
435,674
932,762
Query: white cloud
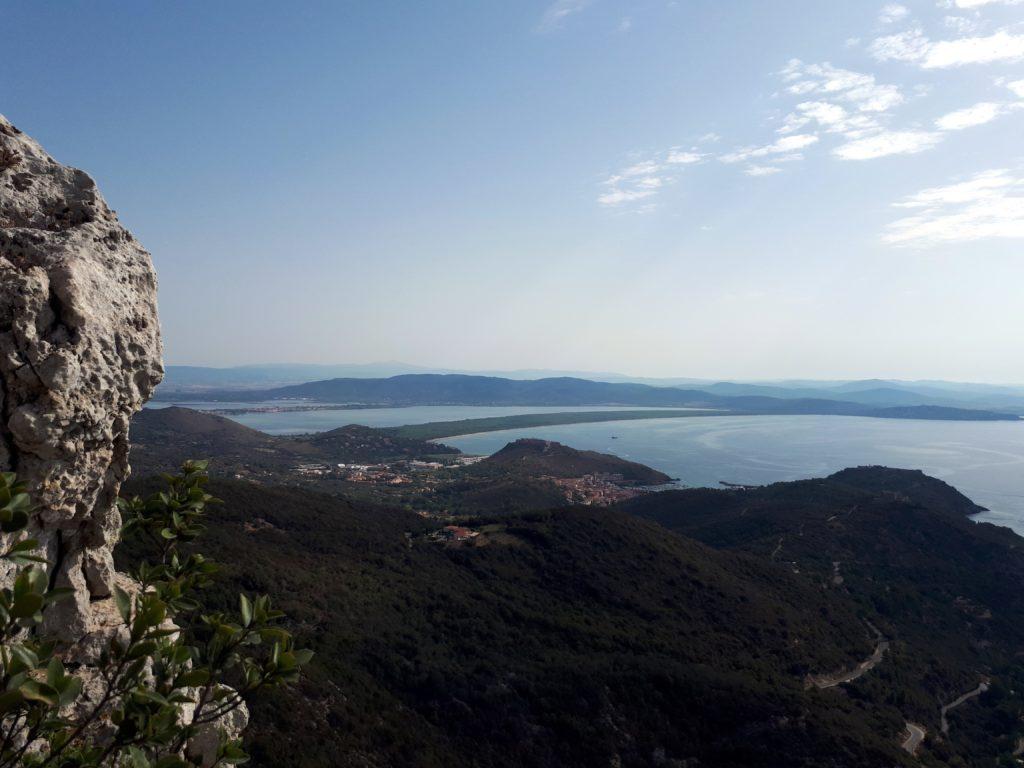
709,138
793,122
615,197
761,170
887,143
1001,46
823,112
856,88
988,205
851,104
892,13
678,156
915,47
903,46
558,12
962,25
784,145
979,3
637,182
979,114
644,168
831,118
644,178
978,186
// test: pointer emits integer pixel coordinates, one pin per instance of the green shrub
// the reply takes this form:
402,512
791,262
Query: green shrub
168,672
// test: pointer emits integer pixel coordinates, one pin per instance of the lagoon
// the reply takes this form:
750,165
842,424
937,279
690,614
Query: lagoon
984,460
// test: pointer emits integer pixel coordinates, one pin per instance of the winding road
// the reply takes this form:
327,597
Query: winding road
872,661
982,687
915,735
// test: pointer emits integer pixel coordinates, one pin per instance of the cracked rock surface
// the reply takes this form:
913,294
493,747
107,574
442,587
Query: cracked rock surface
80,353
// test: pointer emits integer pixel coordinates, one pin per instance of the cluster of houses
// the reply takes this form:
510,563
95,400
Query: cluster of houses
314,470
399,473
453,534
381,474
598,489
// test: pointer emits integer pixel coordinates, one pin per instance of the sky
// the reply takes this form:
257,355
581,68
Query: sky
742,189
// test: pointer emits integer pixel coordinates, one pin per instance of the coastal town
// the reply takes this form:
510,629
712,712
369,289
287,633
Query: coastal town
600,489
422,484
385,473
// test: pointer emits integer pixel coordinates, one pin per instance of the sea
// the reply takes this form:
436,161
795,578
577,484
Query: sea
984,460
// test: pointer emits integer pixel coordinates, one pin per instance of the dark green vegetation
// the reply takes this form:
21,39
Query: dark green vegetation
577,637
164,437
488,490
454,389
437,429
582,637
945,590
161,682
547,458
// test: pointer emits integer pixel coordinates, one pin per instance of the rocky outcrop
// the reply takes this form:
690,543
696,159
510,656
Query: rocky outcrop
79,354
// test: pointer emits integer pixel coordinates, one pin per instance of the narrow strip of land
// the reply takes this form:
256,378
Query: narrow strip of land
289,409
435,430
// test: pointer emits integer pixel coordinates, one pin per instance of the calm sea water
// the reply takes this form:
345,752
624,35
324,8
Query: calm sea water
985,460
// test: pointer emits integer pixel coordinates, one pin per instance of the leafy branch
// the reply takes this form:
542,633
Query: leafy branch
167,675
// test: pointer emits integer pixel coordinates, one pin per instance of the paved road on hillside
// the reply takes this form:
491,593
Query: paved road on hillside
915,735
982,687
830,681
872,661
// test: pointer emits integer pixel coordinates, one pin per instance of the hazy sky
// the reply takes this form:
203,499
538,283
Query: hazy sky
740,188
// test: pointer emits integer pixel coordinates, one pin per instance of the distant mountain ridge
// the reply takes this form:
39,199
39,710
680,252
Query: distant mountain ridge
884,393
458,389
197,378
180,378
190,381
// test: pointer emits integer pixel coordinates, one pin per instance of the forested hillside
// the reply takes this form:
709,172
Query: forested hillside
900,545
581,637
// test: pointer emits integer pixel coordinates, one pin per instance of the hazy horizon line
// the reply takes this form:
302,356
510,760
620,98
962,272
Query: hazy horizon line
557,372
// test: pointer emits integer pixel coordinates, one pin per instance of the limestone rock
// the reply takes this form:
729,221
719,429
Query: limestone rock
202,748
80,353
